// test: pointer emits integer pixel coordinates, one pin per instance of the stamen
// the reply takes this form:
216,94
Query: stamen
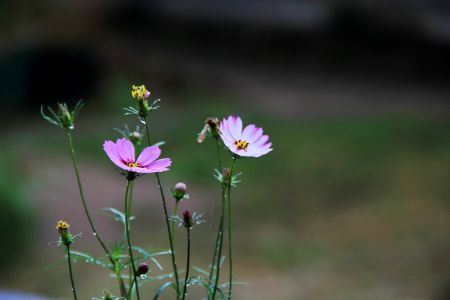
133,165
241,144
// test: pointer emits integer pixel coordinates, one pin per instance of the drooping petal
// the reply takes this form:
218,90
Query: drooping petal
148,155
111,150
159,165
235,127
125,149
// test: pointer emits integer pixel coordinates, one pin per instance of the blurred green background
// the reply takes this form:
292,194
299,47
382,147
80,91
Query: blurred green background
353,203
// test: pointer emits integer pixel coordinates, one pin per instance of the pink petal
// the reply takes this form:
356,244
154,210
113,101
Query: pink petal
252,133
225,131
261,141
125,149
235,127
111,150
159,165
261,153
148,155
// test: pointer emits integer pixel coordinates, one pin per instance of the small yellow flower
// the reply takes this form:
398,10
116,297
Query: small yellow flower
62,226
139,92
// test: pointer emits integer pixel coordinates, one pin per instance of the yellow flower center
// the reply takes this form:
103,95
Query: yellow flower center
62,225
241,144
133,165
138,92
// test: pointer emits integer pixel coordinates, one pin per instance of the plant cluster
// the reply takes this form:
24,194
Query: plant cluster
130,264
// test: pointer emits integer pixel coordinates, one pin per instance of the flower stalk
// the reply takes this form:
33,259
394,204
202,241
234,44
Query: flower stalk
166,216
88,215
72,282
130,250
188,259
230,253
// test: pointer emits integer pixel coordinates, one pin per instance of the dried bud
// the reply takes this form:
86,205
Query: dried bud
142,269
179,191
63,230
187,219
212,127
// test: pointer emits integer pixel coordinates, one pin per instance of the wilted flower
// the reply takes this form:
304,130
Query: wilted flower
249,142
142,269
211,127
122,154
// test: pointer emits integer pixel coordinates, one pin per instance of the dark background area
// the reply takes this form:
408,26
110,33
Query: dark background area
351,204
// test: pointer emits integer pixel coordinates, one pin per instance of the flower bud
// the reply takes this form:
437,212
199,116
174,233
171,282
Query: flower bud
187,219
107,295
63,230
142,269
179,191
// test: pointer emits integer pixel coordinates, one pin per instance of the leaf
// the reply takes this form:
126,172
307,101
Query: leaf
204,272
115,214
76,255
47,118
150,256
161,289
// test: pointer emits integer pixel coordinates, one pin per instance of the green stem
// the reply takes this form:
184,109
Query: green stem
74,291
166,215
188,259
230,257
88,215
219,232
130,250
220,244
174,213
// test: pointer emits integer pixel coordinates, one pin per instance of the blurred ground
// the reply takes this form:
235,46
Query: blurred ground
351,204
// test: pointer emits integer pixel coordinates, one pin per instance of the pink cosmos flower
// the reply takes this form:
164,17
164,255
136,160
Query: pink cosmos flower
122,154
249,142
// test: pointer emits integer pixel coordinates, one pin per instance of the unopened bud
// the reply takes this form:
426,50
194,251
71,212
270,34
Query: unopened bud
142,269
135,137
179,191
107,295
187,219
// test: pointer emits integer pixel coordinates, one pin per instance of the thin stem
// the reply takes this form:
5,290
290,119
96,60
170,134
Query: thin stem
130,250
88,215
219,232
174,213
219,154
74,291
166,215
230,256
188,260
220,244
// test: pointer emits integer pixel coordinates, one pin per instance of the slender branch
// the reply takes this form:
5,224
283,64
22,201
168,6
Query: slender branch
166,215
220,244
219,232
88,215
188,259
230,256
74,291
130,250
174,213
